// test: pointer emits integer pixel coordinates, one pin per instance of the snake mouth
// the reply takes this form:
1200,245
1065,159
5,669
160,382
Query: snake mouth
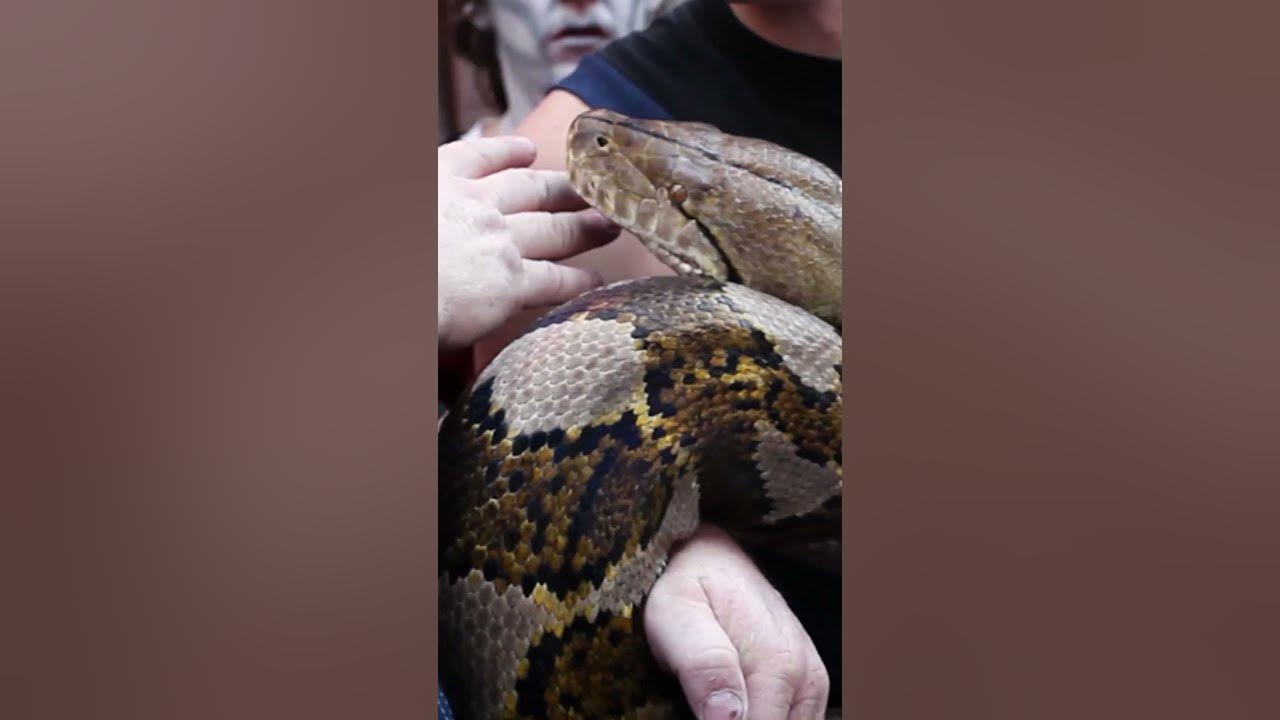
637,183
681,264
674,235
730,272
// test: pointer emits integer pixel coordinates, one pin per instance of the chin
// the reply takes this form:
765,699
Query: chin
561,68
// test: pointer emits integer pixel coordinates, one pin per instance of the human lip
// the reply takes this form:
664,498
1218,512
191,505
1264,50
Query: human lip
581,31
576,41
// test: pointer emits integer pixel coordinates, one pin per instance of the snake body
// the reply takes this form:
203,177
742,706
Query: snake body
601,437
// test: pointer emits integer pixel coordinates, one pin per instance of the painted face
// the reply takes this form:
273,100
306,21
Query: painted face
547,38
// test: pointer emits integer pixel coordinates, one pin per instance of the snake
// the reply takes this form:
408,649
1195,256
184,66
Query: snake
581,457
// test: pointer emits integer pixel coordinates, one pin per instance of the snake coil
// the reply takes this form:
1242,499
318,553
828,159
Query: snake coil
602,436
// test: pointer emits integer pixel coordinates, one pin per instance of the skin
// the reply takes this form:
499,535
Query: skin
813,28
548,127
715,622
501,227
530,55
712,618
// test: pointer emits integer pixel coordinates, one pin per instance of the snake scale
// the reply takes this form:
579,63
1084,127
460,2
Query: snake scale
601,437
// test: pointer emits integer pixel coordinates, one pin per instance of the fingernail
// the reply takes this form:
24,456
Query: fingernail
722,705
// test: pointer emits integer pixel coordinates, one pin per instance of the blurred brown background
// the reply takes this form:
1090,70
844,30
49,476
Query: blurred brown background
1062,347
216,407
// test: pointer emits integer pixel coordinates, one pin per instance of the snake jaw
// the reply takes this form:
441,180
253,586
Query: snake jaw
710,265
646,192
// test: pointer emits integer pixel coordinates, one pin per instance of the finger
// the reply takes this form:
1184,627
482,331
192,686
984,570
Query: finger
476,158
548,236
771,666
812,697
755,615
547,283
812,691
686,638
526,190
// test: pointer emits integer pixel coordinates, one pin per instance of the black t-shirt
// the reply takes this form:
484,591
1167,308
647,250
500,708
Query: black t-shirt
700,63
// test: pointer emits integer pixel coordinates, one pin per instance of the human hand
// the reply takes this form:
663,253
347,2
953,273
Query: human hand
714,621
501,227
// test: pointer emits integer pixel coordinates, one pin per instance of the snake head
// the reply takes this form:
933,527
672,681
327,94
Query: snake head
645,182
709,203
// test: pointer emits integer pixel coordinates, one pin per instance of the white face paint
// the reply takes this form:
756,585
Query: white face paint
542,41
553,35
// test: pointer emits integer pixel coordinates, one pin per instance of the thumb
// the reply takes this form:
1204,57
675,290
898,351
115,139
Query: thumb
687,639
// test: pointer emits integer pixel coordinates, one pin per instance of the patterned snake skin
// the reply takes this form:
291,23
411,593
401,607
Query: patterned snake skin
601,437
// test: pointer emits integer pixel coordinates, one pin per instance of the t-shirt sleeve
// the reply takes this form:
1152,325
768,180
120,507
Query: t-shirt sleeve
601,85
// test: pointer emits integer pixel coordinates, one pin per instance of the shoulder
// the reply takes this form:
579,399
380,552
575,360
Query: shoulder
599,83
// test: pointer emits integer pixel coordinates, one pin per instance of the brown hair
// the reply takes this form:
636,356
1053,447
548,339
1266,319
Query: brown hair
480,48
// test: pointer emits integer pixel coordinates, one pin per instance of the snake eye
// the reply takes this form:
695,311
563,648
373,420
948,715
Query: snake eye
602,141
678,194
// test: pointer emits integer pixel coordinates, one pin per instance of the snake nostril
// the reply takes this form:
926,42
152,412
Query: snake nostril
602,141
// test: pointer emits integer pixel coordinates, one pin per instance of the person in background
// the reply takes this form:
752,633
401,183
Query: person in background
523,47
502,227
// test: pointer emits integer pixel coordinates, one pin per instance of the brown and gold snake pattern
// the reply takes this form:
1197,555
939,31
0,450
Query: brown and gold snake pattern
602,436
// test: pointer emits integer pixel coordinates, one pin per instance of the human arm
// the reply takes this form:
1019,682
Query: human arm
714,621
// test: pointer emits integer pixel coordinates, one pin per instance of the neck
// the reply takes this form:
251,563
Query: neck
812,27
523,86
